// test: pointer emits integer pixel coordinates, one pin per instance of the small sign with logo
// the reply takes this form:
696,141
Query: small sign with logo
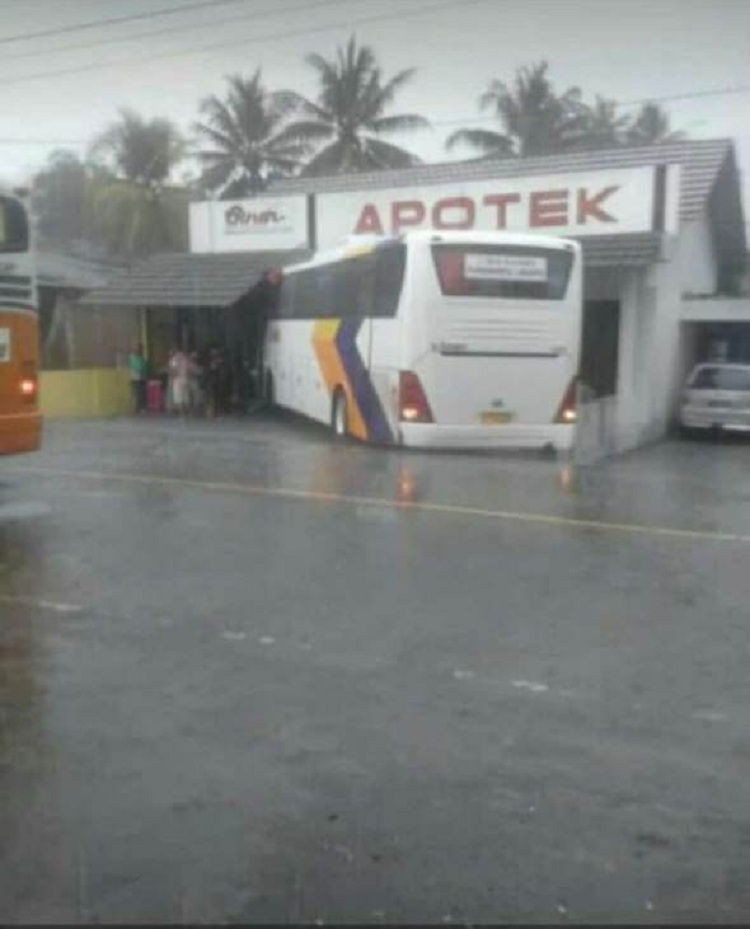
258,224
4,345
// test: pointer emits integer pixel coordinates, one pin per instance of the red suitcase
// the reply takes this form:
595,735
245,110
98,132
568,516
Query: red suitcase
154,397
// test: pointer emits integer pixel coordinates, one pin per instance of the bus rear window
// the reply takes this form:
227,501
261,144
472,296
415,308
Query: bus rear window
510,271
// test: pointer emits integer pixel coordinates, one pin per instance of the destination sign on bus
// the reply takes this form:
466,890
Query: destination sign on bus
484,267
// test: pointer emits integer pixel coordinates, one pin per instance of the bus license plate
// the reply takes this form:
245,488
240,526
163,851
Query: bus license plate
494,418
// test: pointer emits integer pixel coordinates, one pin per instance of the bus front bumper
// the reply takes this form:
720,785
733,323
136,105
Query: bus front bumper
429,435
20,432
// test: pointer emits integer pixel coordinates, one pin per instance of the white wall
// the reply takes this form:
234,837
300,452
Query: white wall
651,353
697,257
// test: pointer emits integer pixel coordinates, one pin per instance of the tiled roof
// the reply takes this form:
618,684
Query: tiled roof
185,279
700,159
67,271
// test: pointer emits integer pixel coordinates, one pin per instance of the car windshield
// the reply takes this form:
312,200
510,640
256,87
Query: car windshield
721,377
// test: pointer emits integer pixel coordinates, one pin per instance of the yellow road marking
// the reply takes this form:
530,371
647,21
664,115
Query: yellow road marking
452,509
41,604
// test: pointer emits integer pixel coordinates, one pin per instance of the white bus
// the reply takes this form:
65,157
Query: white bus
433,339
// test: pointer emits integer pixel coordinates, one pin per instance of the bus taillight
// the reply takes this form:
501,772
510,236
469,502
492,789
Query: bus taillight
412,404
28,388
567,412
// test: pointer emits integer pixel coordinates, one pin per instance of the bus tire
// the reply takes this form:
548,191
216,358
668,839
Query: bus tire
339,415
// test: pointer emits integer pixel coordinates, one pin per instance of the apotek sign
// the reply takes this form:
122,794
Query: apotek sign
597,203
260,224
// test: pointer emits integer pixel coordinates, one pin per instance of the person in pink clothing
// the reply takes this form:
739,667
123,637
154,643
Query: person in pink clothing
179,382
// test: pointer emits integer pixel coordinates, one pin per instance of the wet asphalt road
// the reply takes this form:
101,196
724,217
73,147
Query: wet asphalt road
247,675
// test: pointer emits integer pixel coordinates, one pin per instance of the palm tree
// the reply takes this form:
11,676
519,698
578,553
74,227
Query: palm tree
248,145
140,151
651,127
533,118
349,116
598,126
135,210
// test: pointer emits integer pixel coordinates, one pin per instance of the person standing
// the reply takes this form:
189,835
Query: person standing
138,368
195,379
213,376
180,374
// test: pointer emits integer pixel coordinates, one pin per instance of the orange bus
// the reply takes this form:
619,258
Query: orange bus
20,419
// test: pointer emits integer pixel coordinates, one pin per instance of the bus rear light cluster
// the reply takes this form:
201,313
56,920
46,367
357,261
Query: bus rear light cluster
28,388
567,412
412,404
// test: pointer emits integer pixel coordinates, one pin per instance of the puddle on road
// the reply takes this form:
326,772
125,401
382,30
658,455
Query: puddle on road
13,512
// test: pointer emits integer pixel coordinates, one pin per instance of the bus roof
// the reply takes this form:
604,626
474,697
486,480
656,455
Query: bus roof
354,245
495,237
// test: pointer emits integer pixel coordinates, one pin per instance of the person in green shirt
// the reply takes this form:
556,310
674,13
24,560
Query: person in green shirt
138,370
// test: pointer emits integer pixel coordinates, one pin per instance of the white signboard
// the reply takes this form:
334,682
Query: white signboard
4,345
576,203
483,267
258,224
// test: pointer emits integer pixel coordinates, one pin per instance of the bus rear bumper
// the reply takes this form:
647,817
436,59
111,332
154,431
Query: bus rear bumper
429,435
20,432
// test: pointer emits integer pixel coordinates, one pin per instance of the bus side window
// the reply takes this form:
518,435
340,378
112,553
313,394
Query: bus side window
366,286
390,263
304,301
286,297
354,287
344,289
14,229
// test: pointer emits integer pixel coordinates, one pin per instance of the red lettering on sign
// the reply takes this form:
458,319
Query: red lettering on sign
591,205
369,221
548,208
501,201
406,213
463,204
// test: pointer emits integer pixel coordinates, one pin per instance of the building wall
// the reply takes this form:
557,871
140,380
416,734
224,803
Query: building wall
87,394
697,258
652,353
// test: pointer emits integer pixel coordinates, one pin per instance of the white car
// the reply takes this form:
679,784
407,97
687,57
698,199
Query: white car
717,397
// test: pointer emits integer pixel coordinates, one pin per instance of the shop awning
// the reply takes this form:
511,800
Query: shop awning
609,251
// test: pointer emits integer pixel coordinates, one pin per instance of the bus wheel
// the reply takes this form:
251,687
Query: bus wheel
339,421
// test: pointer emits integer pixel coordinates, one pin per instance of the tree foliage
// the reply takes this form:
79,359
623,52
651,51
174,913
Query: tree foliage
534,119
346,124
136,210
247,145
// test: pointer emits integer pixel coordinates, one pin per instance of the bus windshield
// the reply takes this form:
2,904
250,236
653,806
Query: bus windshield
508,271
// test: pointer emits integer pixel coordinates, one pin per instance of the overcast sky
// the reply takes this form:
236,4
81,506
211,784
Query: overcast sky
625,49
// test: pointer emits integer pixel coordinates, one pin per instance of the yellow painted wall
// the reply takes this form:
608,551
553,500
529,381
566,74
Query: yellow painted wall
97,392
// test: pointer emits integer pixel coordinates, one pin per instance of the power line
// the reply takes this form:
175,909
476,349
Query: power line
250,40
171,30
115,20
739,89
698,94
666,98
